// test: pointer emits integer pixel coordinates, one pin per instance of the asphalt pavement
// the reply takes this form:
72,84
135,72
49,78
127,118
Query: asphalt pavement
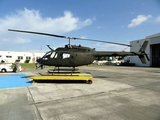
117,93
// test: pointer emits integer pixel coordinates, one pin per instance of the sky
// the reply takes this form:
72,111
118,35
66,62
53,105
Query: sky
119,21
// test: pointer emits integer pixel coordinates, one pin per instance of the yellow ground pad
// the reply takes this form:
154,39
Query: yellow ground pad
82,76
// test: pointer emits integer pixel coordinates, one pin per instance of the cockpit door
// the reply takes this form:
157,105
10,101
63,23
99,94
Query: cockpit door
63,58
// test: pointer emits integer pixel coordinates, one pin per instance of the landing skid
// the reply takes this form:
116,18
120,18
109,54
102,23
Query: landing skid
58,70
63,74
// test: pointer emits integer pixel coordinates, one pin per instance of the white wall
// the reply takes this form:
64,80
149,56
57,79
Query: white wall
155,40
11,56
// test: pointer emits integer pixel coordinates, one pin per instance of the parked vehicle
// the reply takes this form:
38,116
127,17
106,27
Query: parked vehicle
6,68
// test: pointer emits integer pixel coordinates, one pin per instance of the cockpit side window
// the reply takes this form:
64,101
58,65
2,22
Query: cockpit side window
65,55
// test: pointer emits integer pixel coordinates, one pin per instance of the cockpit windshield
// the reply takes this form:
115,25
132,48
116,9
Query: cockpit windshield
47,54
52,54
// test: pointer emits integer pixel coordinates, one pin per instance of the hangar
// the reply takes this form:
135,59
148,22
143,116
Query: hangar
152,49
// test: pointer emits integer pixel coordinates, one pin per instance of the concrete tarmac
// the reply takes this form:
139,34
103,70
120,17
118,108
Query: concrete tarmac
117,93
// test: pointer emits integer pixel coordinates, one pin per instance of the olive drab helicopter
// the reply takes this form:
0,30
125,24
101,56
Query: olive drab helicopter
78,55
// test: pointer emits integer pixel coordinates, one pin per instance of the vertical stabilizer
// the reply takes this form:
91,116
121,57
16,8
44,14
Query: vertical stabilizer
143,47
142,50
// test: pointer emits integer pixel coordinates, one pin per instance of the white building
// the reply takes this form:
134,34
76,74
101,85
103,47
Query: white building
10,56
152,50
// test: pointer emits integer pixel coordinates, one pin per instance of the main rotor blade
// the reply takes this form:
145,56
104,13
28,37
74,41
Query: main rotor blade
37,33
70,38
104,41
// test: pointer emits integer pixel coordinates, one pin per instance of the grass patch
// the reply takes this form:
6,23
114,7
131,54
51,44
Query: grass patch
28,65
31,65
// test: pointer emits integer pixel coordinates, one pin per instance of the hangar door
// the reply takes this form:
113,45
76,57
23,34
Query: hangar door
155,55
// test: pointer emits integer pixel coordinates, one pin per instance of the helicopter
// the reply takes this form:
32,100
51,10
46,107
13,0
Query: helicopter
78,55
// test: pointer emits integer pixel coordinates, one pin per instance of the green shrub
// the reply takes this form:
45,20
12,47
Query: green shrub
26,61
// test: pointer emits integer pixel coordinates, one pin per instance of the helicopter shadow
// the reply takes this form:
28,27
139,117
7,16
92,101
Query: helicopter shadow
60,81
100,76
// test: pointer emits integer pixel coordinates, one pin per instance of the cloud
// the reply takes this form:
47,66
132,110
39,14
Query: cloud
158,19
111,47
139,20
30,19
17,40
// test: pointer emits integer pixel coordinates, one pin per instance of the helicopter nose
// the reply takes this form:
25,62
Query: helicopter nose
39,60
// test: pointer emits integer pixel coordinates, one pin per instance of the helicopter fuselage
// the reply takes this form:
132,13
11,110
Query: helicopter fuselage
73,56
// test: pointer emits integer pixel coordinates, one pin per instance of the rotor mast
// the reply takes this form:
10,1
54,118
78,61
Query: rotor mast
69,40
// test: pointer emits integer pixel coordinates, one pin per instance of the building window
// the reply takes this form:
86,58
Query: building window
28,57
38,58
20,57
8,56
